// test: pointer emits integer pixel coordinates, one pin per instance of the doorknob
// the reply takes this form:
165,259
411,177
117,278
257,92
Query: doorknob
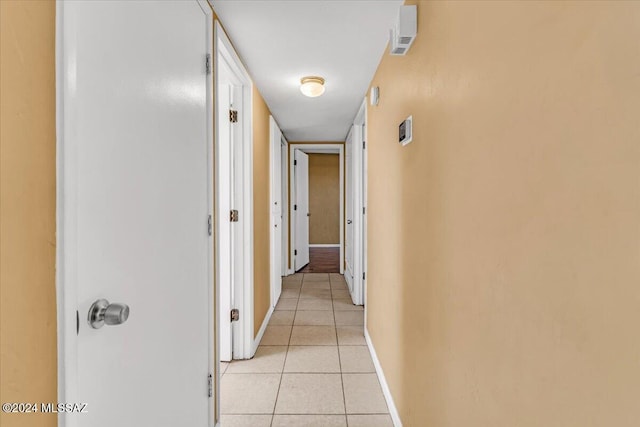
349,221
102,312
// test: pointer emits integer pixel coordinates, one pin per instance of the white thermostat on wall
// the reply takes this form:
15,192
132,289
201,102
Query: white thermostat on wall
406,131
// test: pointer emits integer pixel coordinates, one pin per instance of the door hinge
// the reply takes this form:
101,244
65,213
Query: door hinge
233,116
233,217
235,314
295,207
210,225
364,211
207,63
77,322
210,385
364,145
295,252
364,275
295,163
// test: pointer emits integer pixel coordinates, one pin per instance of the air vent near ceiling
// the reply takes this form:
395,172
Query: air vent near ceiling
404,32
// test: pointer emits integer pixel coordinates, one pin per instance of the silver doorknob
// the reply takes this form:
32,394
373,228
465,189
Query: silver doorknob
102,312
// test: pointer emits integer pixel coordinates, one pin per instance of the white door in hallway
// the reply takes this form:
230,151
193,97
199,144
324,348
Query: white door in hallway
228,153
349,201
276,210
301,209
234,201
285,206
134,199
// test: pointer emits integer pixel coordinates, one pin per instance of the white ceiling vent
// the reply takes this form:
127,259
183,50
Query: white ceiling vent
405,30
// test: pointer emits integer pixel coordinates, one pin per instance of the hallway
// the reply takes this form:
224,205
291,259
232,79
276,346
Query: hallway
312,368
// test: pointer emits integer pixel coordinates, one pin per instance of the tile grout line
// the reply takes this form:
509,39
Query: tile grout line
275,404
335,328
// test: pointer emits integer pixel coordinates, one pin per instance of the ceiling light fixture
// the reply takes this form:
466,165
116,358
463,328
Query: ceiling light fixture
312,86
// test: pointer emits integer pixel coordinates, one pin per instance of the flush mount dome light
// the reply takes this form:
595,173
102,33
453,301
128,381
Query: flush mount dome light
312,86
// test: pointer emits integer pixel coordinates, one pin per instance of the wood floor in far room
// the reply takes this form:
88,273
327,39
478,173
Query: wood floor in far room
323,260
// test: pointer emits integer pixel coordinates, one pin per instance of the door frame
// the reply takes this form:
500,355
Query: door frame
335,148
66,189
277,235
243,292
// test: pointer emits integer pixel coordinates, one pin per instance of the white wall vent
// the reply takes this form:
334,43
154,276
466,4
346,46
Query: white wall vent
404,32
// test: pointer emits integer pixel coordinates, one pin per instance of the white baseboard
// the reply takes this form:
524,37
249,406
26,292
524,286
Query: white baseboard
393,411
324,245
256,341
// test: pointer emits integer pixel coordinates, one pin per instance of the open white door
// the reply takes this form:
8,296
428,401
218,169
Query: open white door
356,232
284,156
134,200
301,209
225,197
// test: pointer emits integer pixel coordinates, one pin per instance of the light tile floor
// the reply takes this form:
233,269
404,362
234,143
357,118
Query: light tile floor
312,368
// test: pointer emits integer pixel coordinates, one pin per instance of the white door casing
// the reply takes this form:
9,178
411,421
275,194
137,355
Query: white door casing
134,193
315,149
301,209
234,184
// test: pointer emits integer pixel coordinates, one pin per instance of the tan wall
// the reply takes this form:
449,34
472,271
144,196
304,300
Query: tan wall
261,220
324,198
28,355
504,241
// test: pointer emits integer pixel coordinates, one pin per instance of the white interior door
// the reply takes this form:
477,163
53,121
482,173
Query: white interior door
284,156
301,209
276,211
135,198
234,195
224,179
349,211
229,198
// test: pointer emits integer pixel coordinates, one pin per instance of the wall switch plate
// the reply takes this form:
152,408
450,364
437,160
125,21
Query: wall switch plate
405,129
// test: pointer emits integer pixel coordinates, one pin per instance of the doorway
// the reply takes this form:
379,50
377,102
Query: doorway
234,201
302,248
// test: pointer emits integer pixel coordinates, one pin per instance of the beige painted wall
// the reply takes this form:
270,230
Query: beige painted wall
504,241
28,354
261,220
324,198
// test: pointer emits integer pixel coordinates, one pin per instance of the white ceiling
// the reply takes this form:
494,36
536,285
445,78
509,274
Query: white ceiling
282,41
